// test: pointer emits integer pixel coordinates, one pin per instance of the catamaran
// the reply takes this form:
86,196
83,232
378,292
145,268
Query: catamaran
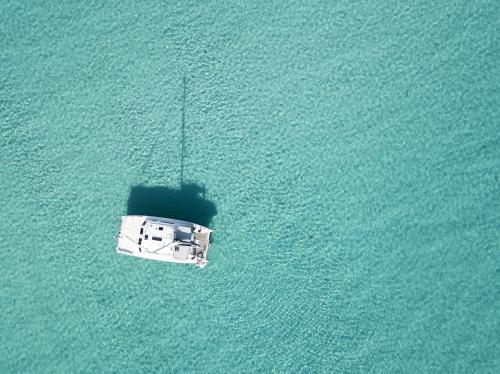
164,239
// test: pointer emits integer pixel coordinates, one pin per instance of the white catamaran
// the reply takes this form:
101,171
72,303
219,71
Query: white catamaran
164,239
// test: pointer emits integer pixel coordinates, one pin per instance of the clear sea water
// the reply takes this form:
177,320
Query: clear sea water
347,153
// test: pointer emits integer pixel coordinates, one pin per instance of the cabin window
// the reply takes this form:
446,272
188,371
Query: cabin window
140,241
142,230
156,238
160,228
146,237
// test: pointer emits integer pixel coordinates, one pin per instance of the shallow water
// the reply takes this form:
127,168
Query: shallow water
347,155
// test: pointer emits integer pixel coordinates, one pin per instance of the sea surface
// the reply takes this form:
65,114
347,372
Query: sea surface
347,153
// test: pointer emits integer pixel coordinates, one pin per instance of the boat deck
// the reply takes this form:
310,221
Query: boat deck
164,239
202,238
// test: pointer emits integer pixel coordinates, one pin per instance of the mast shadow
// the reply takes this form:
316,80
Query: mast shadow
187,203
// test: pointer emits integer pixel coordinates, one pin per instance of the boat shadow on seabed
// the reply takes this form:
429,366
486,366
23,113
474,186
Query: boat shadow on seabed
187,203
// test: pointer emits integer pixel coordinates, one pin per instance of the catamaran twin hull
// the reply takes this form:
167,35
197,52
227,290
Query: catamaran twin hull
164,239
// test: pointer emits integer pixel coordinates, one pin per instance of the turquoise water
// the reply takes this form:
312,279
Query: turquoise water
346,153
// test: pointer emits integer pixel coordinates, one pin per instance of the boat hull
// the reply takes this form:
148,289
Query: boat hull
164,239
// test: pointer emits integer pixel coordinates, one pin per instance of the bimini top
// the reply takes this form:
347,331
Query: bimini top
164,239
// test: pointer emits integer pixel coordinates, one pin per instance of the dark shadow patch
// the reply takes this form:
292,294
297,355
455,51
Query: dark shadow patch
187,203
